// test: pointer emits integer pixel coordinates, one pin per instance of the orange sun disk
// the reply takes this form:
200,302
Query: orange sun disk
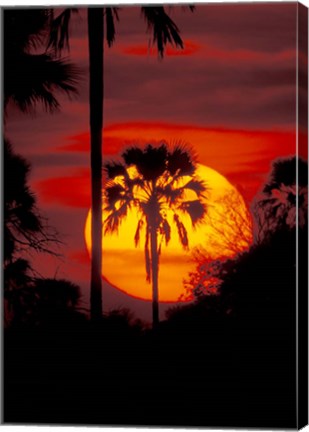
227,230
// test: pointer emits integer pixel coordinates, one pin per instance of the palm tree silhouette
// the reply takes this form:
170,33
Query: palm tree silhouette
31,77
164,31
155,181
284,193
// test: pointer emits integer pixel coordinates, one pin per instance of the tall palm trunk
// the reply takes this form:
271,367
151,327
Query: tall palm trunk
96,47
154,275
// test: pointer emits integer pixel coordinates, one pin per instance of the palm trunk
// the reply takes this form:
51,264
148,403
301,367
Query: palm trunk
96,47
154,275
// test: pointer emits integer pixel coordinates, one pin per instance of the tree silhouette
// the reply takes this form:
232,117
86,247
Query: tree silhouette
39,302
155,181
260,283
31,76
231,233
55,302
17,279
122,322
25,231
231,224
283,197
101,23
24,228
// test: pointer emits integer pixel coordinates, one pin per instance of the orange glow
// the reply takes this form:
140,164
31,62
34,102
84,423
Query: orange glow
144,50
117,134
123,264
242,156
208,51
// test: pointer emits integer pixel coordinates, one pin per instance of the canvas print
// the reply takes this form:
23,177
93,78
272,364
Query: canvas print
155,215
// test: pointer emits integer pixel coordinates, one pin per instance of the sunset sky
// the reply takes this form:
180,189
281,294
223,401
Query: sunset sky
230,93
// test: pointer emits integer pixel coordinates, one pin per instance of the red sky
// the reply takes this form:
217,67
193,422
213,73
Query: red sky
230,93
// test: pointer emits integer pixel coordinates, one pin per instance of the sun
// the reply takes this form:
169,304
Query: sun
226,231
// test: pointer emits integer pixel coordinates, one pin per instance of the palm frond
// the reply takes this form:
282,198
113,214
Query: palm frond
173,194
112,222
110,14
165,230
182,232
147,256
135,182
149,162
267,202
195,209
114,169
163,28
114,193
153,163
41,76
180,160
197,186
59,30
284,173
24,29
190,7
139,227
170,193
132,156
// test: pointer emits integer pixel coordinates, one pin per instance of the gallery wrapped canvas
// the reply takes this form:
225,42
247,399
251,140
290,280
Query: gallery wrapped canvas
155,215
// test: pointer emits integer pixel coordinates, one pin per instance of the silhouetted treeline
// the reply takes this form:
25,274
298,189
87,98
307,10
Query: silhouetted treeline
224,360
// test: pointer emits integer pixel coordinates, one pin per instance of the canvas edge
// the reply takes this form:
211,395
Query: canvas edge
302,247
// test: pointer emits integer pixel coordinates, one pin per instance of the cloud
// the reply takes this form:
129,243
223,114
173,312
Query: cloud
258,27
81,256
80,143
207,51
190,48
243,156
72,191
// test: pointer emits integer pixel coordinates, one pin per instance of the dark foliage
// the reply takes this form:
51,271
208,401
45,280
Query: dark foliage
225,360
284,173
25,230
59,34
31,74
283,203
163,29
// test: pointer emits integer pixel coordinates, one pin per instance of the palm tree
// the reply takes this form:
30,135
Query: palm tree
164,31
157,181
31,77
283,194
